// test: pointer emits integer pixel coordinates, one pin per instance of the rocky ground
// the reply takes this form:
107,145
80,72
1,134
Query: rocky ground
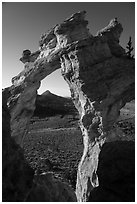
54,143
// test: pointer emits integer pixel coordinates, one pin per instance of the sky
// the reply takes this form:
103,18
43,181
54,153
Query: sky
24,22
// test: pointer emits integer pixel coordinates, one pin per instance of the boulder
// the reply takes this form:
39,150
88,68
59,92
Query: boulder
27,56
47,188
116,173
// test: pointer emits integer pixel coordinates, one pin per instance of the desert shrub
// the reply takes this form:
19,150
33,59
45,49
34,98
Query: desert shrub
129,49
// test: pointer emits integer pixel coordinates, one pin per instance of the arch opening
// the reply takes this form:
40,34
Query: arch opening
54,141
55,84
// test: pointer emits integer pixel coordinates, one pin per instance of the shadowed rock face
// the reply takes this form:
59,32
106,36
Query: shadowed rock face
116,173
46,188
101,81
17,176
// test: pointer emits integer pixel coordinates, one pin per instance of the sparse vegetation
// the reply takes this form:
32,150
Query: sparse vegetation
130,49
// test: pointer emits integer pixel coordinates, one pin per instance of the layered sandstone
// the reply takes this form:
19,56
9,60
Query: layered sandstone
101,81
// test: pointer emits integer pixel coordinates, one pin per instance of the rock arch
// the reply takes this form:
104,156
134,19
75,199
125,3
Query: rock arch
101,81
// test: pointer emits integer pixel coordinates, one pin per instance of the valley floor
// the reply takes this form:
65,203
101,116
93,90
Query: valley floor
54,144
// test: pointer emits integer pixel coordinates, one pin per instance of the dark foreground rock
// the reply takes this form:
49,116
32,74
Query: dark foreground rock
116,173
46,188
17,176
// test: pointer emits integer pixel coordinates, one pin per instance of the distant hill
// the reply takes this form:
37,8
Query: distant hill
48,104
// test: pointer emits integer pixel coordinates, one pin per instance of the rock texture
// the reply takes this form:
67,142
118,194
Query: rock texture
46,188
18,181
116,173
101,81
17,176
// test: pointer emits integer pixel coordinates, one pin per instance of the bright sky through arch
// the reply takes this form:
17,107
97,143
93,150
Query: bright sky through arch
24,22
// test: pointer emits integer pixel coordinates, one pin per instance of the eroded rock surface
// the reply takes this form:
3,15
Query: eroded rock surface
17,176
101,81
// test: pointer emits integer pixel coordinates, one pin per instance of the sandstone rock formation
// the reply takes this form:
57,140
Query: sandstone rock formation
17,176
101,81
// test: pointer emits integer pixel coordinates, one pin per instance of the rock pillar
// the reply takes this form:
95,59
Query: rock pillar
99,90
